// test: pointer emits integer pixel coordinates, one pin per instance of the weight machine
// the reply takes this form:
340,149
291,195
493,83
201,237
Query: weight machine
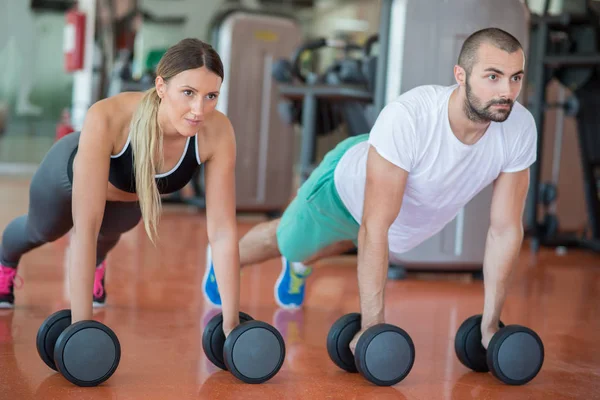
564,47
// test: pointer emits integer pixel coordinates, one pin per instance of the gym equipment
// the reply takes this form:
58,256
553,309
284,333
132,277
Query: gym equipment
322,102
350,70
515,353
284,71
121,77
384,354
86,353
549,190
421,47
565,47
588,121
248,42
253,352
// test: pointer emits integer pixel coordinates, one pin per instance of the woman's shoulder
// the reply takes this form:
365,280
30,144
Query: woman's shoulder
218,124
216,135
123,104
111,116
119,109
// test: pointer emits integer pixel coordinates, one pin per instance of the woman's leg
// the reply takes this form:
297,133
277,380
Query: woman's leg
48,218
119,217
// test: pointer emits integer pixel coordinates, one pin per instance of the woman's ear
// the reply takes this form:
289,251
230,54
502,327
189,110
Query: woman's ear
161,86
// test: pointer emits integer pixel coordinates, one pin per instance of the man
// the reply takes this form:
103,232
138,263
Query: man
429,153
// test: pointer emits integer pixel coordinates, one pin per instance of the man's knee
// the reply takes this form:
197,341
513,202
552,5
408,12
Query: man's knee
264,234
271,237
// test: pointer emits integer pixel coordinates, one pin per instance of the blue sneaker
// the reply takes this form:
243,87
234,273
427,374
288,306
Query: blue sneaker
209,282
289,288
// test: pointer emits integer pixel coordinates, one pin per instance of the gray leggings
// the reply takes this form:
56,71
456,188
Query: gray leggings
49,216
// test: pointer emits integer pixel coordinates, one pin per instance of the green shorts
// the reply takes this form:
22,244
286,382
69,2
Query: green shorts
317,218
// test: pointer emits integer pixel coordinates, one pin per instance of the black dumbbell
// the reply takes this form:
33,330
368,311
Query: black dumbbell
515,354
253,352
384,354
86,353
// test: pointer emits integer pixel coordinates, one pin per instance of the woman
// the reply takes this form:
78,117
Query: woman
134,147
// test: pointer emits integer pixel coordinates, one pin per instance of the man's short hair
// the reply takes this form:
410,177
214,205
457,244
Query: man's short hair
494,36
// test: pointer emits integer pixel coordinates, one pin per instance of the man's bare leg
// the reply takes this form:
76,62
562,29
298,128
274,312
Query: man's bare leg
334,249
260,244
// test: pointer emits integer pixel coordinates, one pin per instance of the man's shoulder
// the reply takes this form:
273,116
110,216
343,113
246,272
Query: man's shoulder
422,100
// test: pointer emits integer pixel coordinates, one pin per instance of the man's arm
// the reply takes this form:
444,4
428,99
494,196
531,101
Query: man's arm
503,244
384,190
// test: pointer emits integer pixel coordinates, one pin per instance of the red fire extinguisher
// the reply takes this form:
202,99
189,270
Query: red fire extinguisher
64,127
74,40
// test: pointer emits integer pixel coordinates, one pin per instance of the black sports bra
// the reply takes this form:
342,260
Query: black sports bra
122,177
121,173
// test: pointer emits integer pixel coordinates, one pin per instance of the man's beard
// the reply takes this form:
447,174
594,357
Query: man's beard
479,113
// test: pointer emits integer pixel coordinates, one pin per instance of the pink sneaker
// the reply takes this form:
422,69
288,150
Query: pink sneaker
99,292
8,276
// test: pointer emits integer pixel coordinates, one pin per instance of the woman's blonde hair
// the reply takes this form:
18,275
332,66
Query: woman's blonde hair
146,135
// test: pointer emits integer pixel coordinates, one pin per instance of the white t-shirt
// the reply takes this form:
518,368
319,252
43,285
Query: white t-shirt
413,132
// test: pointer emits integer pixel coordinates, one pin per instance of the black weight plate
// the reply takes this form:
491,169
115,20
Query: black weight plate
49,332
385,354
213,338
254,352
468,347
340,335
515,355
87,353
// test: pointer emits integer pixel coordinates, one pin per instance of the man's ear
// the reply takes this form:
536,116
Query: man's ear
460,75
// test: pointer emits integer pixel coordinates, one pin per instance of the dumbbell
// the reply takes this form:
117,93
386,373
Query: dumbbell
86,353
253,352
515,353
384,354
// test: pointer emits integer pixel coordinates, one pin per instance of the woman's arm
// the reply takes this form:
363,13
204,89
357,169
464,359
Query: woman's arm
221,221
90,181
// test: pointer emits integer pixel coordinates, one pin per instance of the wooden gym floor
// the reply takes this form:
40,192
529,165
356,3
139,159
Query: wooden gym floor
156,308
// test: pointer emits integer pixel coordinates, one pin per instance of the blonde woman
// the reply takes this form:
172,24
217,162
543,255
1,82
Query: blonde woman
132,148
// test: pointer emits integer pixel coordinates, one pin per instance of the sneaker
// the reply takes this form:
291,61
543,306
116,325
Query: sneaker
99,292
8,276
209,282
289,288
